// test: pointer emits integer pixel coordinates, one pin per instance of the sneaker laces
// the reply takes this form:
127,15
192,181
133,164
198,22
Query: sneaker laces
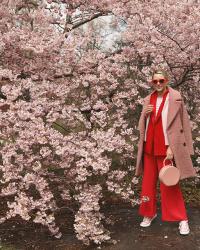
184,224
146,219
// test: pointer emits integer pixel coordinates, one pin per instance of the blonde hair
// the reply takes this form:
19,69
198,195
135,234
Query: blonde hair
160,71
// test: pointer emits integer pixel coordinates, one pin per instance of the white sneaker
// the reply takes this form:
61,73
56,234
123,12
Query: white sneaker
147,221
184,227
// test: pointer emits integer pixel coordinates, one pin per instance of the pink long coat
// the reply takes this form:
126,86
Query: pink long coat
178,132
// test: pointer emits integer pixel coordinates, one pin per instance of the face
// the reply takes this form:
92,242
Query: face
157,85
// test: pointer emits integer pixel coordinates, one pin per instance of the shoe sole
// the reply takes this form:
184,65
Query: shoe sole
184,233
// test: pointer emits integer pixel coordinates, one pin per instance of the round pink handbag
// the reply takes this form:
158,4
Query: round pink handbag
169,174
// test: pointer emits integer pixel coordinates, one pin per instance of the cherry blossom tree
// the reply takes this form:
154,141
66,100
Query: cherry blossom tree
69,108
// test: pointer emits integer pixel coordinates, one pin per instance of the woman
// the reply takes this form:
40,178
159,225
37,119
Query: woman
164,133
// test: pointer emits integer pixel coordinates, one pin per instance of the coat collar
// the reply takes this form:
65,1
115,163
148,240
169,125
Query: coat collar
175,102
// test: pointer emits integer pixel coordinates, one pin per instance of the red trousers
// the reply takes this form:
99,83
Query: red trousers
172,203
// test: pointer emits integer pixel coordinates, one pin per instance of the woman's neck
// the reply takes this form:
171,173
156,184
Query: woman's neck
163,92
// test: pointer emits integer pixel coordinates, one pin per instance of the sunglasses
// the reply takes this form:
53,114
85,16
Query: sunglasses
160,81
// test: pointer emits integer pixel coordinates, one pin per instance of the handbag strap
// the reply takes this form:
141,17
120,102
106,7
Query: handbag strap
167,159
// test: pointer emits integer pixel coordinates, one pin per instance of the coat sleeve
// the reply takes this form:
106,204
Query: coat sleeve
187,129
141,119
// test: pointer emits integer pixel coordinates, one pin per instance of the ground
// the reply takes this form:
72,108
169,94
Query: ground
16,234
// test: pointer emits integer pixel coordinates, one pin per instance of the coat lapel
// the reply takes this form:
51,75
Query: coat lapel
174,105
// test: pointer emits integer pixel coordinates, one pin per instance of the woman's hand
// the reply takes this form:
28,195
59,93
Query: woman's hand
169,153
148,109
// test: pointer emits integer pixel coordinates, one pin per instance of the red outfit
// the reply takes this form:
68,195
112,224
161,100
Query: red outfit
155,141
172,203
